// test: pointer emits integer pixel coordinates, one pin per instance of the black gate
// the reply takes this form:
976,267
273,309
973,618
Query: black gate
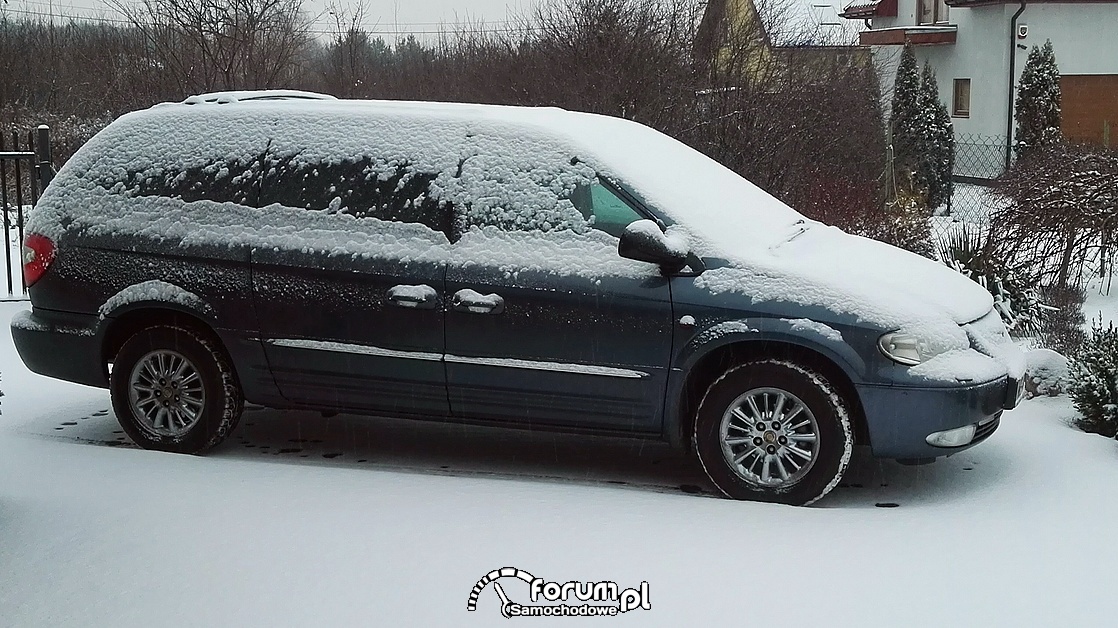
25,171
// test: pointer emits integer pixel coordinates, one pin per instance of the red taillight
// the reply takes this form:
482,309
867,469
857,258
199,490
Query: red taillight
38,253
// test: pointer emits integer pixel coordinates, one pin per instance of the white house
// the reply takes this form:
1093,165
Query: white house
976,46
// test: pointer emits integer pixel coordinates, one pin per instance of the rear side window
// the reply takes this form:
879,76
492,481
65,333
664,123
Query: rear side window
364,187
230,180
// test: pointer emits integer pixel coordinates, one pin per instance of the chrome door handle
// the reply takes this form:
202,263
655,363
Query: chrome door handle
416,297
467,300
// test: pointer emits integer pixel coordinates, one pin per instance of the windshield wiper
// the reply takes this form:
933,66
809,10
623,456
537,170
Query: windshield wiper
801,227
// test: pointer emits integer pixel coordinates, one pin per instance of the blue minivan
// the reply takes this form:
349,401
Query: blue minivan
521,267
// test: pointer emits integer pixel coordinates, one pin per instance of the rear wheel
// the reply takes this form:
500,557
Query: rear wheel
773,431
174,390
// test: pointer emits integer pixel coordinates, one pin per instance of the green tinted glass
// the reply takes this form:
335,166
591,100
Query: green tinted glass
611,214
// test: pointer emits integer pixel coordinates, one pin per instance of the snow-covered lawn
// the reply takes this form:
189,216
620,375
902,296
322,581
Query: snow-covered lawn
299,520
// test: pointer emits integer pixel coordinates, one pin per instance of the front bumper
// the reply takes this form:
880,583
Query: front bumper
61,345
899,419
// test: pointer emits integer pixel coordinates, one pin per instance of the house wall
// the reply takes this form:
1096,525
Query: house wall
1083,35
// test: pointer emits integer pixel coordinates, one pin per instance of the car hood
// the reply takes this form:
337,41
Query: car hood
853,278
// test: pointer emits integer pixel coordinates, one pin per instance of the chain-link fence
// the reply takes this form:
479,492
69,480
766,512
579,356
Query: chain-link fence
979,159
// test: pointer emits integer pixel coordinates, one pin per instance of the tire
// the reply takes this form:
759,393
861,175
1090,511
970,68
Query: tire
201,405
723,435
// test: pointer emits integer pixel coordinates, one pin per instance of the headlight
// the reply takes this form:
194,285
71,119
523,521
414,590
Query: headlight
906,349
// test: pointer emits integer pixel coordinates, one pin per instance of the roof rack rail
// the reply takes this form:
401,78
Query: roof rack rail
223,98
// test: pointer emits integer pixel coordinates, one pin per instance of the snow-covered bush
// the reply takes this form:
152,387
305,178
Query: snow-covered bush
1060,212
1061,328
903,223
67,132
1094,381
1016,298
1046,373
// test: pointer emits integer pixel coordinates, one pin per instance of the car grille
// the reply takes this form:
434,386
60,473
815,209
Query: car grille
986,429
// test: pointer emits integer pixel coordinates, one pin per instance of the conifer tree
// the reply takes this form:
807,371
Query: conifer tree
1038,101
904,120
938,146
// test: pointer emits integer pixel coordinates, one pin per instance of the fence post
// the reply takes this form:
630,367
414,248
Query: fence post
46,163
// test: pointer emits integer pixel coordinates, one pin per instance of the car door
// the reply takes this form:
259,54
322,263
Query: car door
350,298
552,327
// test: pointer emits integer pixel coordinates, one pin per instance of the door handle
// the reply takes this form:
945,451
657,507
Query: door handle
415,297
467,300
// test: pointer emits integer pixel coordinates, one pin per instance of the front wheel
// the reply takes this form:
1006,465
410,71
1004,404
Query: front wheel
773,431
174,390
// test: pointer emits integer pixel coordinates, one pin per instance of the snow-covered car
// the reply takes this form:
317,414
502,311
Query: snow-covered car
526,267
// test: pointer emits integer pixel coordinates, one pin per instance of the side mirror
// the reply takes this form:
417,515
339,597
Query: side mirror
645,242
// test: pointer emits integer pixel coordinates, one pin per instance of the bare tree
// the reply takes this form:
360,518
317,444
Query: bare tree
207,45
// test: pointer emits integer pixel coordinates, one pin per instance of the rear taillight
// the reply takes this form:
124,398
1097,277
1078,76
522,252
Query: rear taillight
38,253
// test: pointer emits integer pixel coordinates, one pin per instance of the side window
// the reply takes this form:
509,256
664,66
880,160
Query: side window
603,209
518,192
231,180
365,187
526,197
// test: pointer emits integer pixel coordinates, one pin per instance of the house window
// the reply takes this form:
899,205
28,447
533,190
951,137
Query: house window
960,100
932,12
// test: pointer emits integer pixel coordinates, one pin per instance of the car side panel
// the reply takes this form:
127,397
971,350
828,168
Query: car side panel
89,271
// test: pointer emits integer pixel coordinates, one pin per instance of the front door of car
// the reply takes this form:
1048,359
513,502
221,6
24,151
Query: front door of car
553,327
350,298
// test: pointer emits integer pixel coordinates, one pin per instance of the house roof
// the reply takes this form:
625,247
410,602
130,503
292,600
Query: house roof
795,22
980,3
866,9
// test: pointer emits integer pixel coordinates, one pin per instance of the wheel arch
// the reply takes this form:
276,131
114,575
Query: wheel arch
135,317
710,361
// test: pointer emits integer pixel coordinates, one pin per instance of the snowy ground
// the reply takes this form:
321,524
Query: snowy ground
971,207
300,520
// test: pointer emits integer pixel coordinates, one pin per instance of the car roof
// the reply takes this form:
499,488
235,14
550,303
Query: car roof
229,97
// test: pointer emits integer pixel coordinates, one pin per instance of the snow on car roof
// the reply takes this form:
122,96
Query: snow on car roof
222,98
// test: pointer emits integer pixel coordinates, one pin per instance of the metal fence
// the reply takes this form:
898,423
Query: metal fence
25,171
979,157
979,160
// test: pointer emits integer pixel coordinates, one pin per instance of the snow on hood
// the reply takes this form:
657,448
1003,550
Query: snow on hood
873,282
774,252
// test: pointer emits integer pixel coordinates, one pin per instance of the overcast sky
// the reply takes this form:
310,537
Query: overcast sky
384,17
